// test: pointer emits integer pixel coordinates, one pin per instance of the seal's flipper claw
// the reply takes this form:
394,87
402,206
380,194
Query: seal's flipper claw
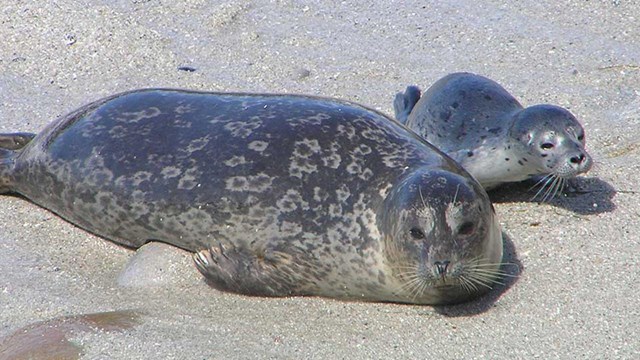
241,271
404,103
15,141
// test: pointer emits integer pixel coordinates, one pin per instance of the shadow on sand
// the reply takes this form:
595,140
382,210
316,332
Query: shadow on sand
584,196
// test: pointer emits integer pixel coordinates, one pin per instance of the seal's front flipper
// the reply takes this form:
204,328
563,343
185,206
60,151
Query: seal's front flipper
270,273
404,103
15,141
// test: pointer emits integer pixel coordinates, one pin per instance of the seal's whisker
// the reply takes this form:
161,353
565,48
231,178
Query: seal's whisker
482,280
483,261
472,283
421,288
455,196
486,273
490,279
469,284
493,274
490,266
547,180
541,189
411,274
422,198
463,283
489,274
411,280
408,286
559,184
551,189
544,178
413,283
410,267
414,286
482,264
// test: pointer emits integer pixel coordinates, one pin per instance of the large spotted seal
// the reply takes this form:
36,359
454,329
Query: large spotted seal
277,195
481,126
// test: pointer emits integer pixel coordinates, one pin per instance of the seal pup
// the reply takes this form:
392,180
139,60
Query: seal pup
480,125
276,195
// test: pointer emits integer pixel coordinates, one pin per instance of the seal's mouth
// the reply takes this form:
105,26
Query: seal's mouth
445,286
443,279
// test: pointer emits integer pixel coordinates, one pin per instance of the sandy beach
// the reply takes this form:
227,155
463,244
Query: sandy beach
576,294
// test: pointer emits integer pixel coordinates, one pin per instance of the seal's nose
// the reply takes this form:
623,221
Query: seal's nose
581,162
441,268
577,160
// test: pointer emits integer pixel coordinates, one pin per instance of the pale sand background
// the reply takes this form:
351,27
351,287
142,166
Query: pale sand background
578,293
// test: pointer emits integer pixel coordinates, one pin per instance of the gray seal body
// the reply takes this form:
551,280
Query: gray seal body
480,125
276,195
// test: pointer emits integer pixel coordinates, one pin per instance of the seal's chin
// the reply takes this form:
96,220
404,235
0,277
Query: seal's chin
448,286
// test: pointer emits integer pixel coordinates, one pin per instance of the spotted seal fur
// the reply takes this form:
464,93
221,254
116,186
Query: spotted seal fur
276,195
480,125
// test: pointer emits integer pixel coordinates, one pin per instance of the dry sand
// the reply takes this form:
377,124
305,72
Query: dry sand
578,292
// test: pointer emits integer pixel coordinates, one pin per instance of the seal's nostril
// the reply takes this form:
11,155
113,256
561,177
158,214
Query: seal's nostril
441,267
577,159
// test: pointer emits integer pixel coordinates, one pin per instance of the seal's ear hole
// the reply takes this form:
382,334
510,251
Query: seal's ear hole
416,233
546,146
466,228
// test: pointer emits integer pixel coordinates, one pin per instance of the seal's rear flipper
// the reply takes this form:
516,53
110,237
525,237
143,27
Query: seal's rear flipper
404,103
15,141
9,145
233,269
7,165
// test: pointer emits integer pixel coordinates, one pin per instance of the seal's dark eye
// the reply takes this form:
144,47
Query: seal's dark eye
416,233
580,137
546,146
466,228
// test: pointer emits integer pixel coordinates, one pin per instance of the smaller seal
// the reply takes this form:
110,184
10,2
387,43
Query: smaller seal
480,125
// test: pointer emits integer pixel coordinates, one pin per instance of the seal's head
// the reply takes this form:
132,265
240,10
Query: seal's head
443,243
554,143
